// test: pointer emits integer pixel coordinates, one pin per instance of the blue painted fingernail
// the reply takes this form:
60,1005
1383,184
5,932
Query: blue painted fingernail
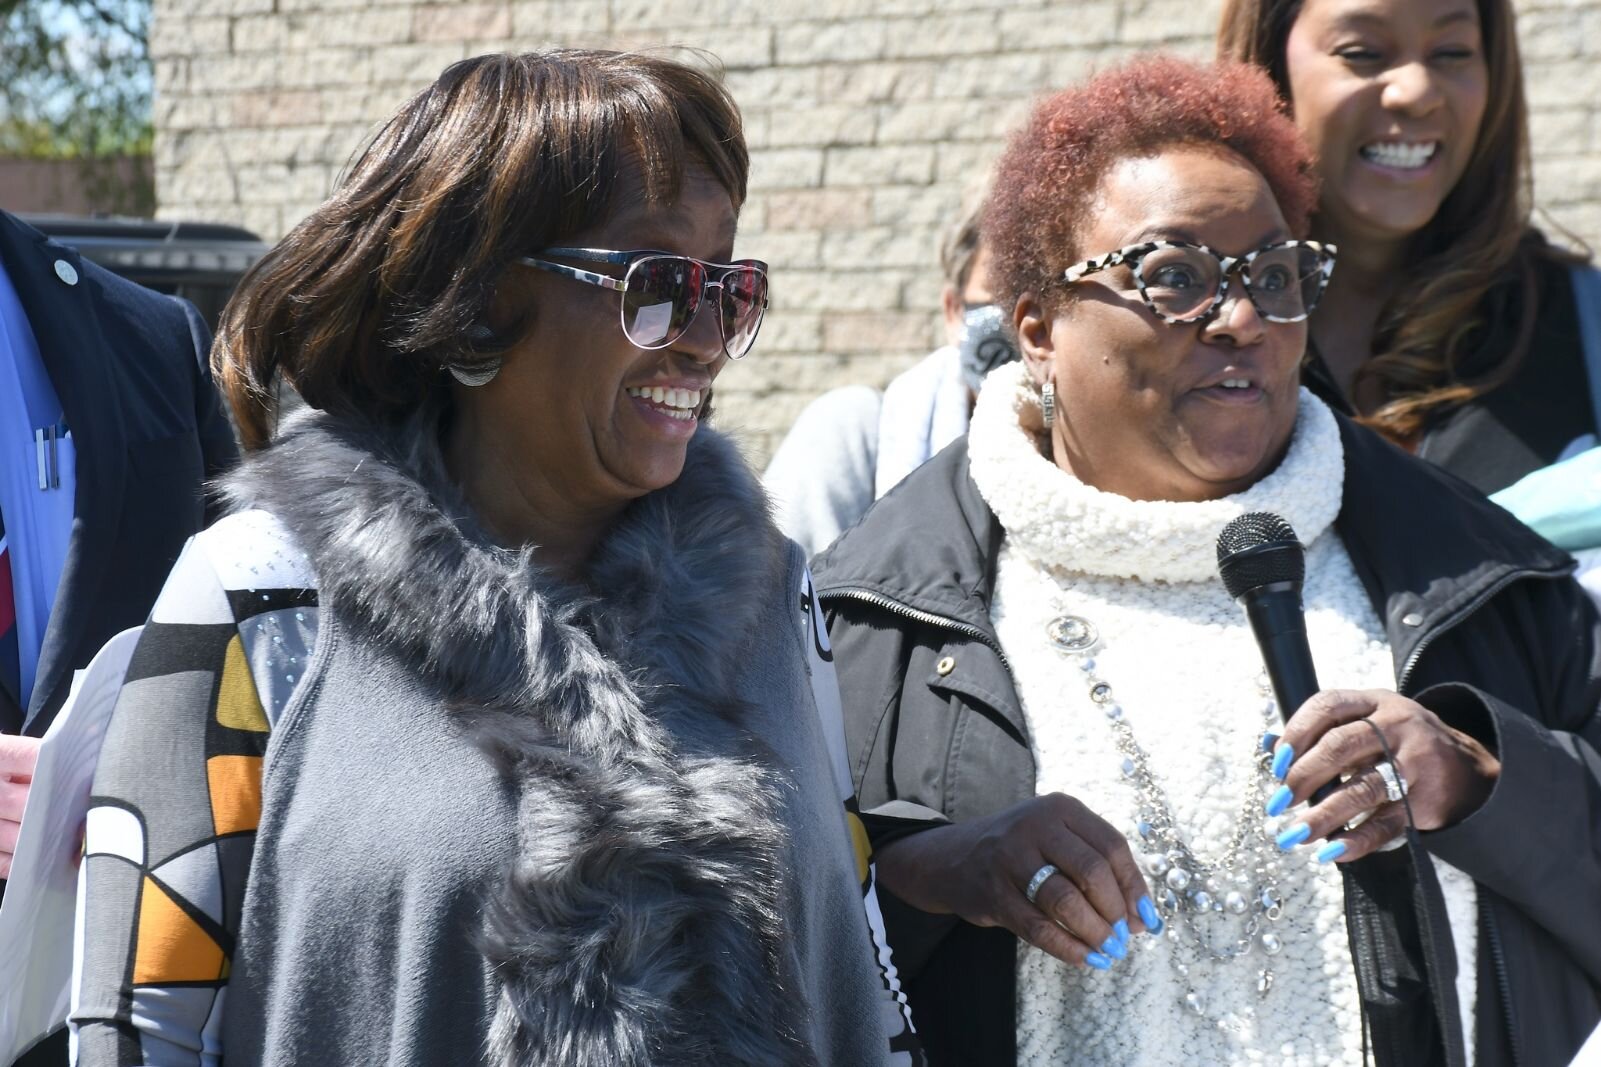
1293,836
1282,760
1148,916
1098,961
1269,739
1279,800
1114,948
1123,934
1331,851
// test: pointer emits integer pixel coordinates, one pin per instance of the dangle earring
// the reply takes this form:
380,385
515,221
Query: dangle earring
1048,402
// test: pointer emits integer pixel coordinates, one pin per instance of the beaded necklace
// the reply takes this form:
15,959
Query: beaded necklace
1219,911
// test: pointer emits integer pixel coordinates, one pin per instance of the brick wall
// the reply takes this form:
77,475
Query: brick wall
868,119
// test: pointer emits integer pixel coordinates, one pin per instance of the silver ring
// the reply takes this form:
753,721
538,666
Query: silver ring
1038,880
1394,784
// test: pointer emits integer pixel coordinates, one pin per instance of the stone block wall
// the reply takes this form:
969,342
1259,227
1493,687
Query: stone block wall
869,121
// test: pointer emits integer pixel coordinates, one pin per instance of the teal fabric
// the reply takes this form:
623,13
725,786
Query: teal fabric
1561,502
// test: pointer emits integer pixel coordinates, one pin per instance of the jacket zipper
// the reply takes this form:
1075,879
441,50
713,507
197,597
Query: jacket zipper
1499,958
926,617
1501,978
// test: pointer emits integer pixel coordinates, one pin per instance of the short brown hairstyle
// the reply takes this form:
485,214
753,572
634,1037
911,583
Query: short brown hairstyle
389,281
1463,322
1051,171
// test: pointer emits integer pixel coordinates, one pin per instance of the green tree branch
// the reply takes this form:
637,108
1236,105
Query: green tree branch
77,85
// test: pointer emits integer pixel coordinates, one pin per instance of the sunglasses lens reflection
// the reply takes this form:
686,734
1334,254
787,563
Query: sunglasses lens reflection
744,300
665,292
661,300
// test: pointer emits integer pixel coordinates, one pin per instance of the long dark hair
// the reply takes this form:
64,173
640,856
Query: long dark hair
364,302
1473,267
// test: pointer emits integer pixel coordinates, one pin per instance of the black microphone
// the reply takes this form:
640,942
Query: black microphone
1262,565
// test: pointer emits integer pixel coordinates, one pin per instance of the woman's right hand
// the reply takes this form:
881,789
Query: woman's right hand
980,870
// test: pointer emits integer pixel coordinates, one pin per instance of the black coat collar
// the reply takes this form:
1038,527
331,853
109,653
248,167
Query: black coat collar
929,544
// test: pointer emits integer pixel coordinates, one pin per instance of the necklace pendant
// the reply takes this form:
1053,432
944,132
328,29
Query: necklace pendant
1264,981
1072,634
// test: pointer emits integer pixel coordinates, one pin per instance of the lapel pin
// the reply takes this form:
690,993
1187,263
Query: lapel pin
66,272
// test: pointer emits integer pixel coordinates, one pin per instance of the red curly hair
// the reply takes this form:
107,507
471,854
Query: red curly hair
1051,170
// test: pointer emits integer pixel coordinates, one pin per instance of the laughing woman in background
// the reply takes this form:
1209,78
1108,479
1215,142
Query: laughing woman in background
1452,326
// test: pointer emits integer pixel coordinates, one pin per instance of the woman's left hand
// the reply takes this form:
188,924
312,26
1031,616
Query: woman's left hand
1448,773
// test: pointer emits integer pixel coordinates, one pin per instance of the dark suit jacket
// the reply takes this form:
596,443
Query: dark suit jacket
131,369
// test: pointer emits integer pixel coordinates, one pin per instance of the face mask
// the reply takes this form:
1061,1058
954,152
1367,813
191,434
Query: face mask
985,343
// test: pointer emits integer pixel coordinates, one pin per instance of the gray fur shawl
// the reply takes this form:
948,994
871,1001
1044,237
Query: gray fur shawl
639,924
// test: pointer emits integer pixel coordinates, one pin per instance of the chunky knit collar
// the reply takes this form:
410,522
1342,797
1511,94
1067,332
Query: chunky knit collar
1060,522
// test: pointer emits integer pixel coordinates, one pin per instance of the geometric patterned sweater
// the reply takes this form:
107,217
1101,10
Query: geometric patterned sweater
177,796
177,799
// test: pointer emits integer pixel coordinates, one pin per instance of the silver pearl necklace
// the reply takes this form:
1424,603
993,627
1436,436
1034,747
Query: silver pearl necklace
1218,912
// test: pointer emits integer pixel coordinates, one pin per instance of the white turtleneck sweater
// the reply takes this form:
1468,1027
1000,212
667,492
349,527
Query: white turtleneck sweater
1184,667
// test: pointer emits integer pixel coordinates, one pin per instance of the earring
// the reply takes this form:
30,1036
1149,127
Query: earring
480,372
477,374
1048,402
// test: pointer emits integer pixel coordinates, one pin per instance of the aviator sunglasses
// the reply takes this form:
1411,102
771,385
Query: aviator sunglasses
663,292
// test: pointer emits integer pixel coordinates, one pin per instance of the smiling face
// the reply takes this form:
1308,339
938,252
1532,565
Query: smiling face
579,414
1390,95
1142,408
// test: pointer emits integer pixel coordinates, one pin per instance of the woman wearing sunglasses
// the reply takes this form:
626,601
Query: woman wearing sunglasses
1088,850
492,726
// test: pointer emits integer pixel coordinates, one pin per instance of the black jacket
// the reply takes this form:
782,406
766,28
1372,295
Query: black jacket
130,368
1487,630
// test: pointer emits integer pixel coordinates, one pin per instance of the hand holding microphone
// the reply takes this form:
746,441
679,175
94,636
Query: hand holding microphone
1364,738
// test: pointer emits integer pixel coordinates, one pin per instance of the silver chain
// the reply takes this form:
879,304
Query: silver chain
1242,885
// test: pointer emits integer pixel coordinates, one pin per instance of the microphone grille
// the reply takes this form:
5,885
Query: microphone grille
1251,530
1257,549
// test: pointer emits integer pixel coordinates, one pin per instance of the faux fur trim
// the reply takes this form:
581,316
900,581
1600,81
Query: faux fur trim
640,923
1069,525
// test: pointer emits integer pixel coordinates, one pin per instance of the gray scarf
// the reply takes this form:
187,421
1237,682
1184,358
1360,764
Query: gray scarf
639,923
